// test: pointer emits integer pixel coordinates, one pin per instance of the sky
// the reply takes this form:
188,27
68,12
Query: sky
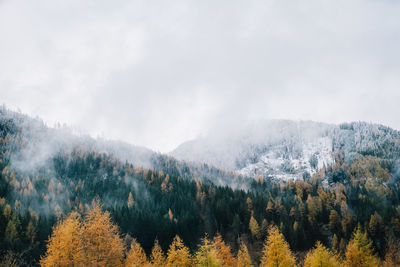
158,73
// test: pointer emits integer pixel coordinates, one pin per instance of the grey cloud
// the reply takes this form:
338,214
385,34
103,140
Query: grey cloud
157,73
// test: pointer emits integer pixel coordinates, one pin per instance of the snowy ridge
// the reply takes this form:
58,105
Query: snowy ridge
273,164
283,149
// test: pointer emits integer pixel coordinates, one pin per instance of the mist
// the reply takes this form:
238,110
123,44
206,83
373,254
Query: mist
158,74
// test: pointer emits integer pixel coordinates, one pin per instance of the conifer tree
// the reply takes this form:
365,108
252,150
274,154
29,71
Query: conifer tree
157,256
243,257
65,247
276,251
321,256
136,256
178,254
392,257
130,200
206,255
359,251
103,244
254,228
223,252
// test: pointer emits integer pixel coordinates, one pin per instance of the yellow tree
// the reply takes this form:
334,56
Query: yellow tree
321,256
130,200
359,251
136,256
206,255
254,228
223,252
65,247
157,256
103,244
276,250
178,254
243,257
392,257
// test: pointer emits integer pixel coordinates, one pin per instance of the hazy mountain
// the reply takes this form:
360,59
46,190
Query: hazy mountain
36,145
47,173
289,149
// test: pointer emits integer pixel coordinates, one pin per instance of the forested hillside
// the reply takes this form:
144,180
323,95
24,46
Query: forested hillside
286,149
51,176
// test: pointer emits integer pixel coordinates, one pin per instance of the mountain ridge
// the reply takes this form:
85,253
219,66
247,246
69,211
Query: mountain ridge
284,147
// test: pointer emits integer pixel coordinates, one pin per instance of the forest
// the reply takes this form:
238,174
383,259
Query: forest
81,205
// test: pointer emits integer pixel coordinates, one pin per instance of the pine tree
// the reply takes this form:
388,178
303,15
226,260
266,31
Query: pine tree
321,256
276,251
359,251
178,254
136,256
65,247
243,257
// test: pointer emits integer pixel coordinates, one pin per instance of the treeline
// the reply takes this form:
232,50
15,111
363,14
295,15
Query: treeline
95,241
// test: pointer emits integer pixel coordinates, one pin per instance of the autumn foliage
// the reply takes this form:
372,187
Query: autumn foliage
276,251
95,241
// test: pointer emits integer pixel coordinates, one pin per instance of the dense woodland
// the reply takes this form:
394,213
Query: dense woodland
346,213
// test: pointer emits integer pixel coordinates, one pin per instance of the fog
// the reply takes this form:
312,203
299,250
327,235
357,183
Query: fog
156,73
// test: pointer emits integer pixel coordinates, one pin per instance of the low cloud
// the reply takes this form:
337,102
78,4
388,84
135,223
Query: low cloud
159,73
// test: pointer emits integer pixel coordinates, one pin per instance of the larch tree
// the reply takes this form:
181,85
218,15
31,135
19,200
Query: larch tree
223,252
359,251
178,254
243,257
157,256
103,244
276,252
130,200
392,257
11,233
254,228
65,246
30,232
136,256
321,256
206,255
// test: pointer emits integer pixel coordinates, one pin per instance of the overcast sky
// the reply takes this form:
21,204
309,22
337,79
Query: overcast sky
157,73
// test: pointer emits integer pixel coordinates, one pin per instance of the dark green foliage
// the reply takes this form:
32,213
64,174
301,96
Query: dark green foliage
174,197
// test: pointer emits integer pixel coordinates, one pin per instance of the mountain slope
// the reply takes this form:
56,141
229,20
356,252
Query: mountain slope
288,149
46,173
